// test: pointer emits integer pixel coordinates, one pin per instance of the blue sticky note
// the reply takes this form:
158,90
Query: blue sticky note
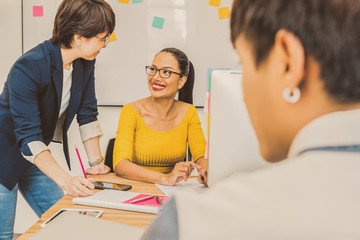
137,1
158,22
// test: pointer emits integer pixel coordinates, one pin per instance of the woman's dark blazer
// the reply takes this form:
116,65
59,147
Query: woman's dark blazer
30,105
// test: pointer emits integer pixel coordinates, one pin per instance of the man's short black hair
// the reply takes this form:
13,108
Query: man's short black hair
329,31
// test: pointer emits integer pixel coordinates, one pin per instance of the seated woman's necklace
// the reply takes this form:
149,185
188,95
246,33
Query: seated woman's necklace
164,118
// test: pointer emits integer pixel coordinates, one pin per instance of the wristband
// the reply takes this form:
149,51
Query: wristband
96,162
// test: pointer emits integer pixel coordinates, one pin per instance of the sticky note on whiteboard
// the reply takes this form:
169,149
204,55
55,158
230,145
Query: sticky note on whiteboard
137,1
158,22
215,3
38,11
224,12
112,37
124,1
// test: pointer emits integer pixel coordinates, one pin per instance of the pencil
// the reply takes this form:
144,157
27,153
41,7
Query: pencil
82,167
141,199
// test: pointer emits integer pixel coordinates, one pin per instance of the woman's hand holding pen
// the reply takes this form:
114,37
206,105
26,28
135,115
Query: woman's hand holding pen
202,177
181,171
74,186
78,186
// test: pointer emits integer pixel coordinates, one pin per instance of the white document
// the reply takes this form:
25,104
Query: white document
191,184
115,199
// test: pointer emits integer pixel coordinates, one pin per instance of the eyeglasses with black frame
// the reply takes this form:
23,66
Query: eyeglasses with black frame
105,39
164,73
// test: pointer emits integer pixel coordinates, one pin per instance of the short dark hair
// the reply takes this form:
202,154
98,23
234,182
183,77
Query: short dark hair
329,31
85,17
186,69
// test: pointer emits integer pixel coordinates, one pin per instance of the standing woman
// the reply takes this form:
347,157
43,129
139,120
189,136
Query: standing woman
45,89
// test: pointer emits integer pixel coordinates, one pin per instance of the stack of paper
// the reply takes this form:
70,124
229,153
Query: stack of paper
122,200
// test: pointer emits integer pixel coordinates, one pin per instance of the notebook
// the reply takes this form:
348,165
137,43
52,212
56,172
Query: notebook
70,225
122,200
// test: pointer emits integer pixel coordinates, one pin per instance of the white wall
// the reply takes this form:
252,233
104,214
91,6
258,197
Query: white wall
108,118
11,37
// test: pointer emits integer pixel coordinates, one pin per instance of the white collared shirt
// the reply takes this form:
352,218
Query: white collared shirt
66,91
314,195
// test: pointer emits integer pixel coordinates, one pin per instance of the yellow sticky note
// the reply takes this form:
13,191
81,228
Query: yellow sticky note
112,37
124,1
224,12
215,3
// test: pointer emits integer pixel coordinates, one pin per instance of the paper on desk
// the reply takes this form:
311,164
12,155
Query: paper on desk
191,184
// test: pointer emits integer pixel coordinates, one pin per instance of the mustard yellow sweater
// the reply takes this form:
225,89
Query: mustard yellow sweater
154,150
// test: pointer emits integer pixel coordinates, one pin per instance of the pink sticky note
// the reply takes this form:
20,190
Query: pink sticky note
38,11
207,149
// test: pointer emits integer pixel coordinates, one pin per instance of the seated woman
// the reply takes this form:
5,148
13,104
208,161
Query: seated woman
153,132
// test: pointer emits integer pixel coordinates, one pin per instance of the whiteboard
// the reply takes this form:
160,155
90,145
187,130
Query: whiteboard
11,36
190,25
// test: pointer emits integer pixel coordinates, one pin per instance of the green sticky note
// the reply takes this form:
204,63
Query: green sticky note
137,1
158,22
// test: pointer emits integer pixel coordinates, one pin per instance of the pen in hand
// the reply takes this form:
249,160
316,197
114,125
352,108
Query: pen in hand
202,176
159,200
82,167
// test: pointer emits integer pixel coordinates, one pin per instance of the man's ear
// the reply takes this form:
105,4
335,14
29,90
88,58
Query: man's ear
293,58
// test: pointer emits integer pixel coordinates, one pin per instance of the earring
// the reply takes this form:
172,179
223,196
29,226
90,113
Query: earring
179,87
291,97
77,45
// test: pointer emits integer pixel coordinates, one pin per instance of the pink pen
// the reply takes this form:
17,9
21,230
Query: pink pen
82,167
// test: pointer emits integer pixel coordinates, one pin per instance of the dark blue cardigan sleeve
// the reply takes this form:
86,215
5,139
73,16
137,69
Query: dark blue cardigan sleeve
88,111
24,106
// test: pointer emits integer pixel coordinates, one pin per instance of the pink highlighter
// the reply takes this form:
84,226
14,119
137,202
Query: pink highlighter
82,167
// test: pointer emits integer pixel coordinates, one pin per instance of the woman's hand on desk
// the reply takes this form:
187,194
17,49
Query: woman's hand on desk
78,187
181,171
101,168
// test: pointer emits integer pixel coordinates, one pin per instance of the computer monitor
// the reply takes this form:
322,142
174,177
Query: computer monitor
233,146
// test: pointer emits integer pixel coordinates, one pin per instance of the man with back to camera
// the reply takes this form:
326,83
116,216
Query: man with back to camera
301,65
